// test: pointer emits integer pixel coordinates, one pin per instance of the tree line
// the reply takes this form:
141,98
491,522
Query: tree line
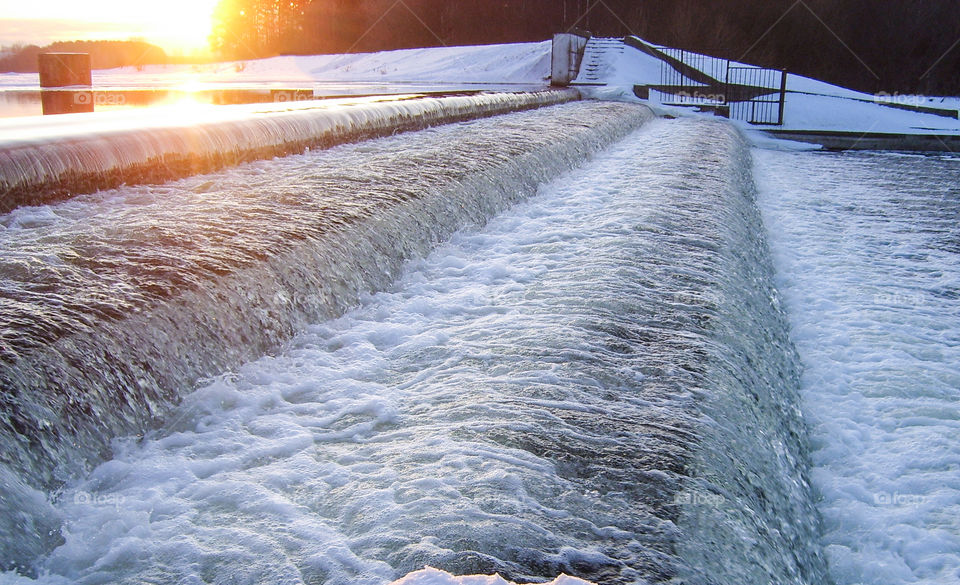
103,54
896,45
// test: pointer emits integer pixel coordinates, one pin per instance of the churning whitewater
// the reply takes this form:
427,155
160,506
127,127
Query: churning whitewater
598,382
119,301
867,248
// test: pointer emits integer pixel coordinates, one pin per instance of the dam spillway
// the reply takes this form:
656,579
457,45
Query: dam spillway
599,382
114,307
56,158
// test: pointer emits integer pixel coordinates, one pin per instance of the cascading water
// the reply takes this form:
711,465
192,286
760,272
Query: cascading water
47,161
599,382
116,303
867,247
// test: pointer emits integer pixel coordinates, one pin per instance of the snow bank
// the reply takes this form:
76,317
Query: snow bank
519,63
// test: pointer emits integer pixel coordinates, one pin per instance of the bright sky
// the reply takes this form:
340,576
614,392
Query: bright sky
176,25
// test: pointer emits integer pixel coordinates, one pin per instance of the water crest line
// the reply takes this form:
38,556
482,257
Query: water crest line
40,170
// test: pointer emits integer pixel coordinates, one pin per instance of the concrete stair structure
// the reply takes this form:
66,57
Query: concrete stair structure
598,57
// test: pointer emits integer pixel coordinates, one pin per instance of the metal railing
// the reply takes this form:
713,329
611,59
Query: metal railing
752,94
756,95
688,88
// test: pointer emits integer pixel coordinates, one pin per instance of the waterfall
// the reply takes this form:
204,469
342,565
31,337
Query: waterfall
598,381
43,163
117,303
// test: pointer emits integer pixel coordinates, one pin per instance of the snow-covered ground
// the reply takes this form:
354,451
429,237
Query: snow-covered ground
862,113
810,104
519,63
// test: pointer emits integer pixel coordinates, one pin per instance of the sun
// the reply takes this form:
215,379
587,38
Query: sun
177,25
180,23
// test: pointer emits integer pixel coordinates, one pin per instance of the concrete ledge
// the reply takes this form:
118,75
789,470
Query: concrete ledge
872,140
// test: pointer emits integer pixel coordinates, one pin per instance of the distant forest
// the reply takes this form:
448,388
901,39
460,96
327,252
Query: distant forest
871,45
103,54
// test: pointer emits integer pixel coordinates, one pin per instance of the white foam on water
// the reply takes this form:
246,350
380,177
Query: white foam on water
867,249
256,476
431,576
138,292
531,399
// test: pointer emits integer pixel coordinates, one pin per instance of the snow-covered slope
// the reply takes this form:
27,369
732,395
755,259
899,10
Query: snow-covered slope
519,63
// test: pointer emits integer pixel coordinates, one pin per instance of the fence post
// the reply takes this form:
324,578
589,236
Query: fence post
783,95
726,85
683,78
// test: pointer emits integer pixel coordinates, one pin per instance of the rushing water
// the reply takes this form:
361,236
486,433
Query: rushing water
867,248
51,159
599,382
114,304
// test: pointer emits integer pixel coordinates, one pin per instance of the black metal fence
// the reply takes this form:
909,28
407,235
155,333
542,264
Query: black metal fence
691,81
753,94
756,95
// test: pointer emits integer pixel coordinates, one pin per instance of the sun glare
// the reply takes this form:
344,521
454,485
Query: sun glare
177,25
180,23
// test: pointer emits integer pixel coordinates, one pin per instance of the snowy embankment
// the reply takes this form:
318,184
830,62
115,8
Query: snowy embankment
518,63
810,104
